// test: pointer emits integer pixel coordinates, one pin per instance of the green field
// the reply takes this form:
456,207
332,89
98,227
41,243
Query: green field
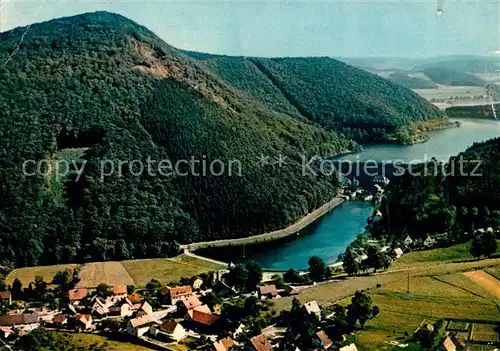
447,92
461,281
28,274
89,341
167,270
494,271
484,333
437,290
132,272
428,299
458,252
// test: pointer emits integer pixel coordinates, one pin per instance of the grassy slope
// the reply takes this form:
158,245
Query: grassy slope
89,341
438,289
135,272
494,271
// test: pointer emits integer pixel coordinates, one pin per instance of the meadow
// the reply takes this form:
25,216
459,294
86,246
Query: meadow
432,285
89,341
131,272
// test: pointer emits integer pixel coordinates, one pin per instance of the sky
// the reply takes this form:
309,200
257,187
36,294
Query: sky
341,28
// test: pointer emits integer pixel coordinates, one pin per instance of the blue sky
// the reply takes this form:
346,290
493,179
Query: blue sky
397,28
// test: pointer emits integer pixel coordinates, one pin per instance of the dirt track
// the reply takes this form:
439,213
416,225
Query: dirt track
487,281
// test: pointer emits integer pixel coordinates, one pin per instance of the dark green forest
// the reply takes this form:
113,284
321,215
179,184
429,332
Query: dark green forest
408,82
326,92
457,197
480,111
99,87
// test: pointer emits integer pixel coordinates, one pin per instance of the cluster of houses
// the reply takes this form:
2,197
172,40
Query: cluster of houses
181,315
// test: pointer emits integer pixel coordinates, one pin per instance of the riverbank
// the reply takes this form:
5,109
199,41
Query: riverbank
271,236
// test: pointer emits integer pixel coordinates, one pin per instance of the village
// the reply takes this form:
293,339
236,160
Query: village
221,310
162,317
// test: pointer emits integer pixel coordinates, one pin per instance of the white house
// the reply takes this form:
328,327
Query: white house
122,309
398,252
145,309
408,241
140,325
197,283
428,242
351,347
312,307
169,330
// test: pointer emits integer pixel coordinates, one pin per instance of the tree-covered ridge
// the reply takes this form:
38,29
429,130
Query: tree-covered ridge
454,198
245,76
326,92
99,87
471,64
479,111
448,76
408,82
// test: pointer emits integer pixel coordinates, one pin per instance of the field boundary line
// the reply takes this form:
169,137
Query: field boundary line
461,288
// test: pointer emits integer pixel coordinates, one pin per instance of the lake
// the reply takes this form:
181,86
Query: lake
330,235
442,144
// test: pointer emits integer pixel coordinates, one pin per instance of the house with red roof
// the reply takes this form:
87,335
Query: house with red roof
223,344
268,291
84,321
77,295
261,343
6,297
174,294
119,292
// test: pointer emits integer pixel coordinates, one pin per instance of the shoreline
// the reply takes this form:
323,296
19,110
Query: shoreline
270,236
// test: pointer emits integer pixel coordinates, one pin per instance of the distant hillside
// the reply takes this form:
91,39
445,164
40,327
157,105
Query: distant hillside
482,111
473,64
326,92
408,82
448,76
100,91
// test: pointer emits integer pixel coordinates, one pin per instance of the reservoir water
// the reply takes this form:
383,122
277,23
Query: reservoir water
442,144
330,235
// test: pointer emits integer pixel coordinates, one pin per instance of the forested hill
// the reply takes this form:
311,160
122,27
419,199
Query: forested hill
461,196
326,92
97,89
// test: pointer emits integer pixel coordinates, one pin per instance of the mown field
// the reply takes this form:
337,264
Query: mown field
167,270
132,272
89,341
